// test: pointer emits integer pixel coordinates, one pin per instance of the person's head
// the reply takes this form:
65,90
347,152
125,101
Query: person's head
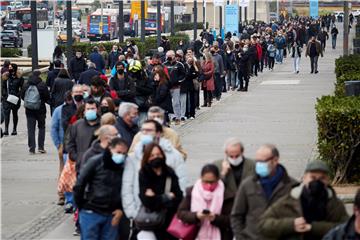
107,105
57,64
68,99
154,157
118,149
267,160
160,49
181,43
57,51
190,52
108,118
78,54
63,73
156,113
13,68
170,56
357,205
91,109
120,68
6,63
313,38
234,151
86,90
210,177
121,58
129,113
190,60
208,56
160,76
77,93
316,171
105,134
151,131
97,86
95,49
179,55
91,65
101,48
115,48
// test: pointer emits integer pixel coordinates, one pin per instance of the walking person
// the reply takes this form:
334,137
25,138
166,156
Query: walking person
35,94
12,83
296,55
323,36
243,61
77,66
280,44
313,50
334,32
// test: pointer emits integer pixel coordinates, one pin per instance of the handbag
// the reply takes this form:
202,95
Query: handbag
67,178
11,98
203,77
148,220
181,230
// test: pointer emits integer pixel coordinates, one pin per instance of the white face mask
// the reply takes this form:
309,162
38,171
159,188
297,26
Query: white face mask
159,120
235,162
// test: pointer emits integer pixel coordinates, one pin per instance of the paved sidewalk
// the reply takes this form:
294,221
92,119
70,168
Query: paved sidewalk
279,108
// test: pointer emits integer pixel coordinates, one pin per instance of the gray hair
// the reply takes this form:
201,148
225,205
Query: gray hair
126,107
233,141
180,52
104,130
156,109
76,86
170,53
91,65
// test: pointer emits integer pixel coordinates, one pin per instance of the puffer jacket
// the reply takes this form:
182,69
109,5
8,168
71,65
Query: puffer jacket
60,87
13,85
102,179
43,92
94,150
76,67
125,88
130,190
345,231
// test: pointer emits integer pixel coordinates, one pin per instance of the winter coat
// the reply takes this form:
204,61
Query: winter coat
57,130
345,231
12,85
50,79
143,90
318,48
94,150
229,62
242,62
76,67
188,84
177,73
278,220
130,191
43,92
250,202
96,58
162,97
67,111
208,70
221,221
98,186
218,63
271,50
60,87
126,132
113,58
125,88
280,42
258,51
85,77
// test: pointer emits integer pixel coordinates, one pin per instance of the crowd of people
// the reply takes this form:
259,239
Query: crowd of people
122,168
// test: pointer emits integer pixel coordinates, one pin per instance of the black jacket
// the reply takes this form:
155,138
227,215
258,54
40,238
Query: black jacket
125,88
95,149
113,58
51,77
44,95
60,87
177,73
188,84
242,62
11,86
85,77
162,97
102,179
143,90
76,67
68,110
127,133
229,62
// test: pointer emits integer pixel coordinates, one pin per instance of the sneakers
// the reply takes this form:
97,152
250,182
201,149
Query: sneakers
61,201
14,133
76,232
32,152
6,133
183,119
192,118
69,208
316,71
42,151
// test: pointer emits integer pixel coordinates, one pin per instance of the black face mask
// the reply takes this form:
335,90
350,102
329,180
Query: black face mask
156,163
169,59
120,71
78,98
317,189
212,52
104,109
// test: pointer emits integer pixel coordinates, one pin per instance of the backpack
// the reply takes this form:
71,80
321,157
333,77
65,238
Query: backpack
32,99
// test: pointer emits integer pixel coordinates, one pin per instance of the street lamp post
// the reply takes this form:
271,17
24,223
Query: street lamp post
254,10
121,21
346,29
158,21
68,32
172,18
142,21
195,19
34,42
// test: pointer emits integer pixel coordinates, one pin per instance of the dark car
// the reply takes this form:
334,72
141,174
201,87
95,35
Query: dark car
13,25
11,38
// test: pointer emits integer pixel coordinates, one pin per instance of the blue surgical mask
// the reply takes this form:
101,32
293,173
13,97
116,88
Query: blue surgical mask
90,115
146,139
262,169
118,158
135,120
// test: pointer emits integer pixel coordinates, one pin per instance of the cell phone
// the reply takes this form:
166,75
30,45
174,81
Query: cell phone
206,211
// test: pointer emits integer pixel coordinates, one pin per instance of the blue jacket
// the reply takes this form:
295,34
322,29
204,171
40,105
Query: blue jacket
85,77
280,42
57,131
96,58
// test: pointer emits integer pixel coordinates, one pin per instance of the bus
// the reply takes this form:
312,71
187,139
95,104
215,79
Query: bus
150,21
106,29
23,15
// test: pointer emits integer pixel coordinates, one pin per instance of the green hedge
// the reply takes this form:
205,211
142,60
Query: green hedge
340,82
338,121
144,47
346,64
189,26
11,52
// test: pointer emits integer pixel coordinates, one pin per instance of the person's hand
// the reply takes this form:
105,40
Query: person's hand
149,193
201,216
117,215
301,226
211,217
171,195
225,167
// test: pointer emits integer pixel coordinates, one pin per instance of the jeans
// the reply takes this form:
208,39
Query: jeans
175,95
31,124
183,97
231,79
279,55
8,108
296,64
96,226
333,41
218,85
314,63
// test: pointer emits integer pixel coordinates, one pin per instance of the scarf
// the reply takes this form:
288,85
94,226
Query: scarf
200,200
269,183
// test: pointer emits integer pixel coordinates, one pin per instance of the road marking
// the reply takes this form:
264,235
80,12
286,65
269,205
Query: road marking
280,82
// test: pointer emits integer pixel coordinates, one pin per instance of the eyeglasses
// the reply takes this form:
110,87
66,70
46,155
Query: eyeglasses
147,130
266,160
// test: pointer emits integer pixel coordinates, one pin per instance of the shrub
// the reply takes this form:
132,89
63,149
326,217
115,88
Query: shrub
346,64
338,121
11,52
188,26
340,82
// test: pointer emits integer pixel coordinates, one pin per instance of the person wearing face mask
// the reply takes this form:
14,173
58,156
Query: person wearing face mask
124,87
86,76
243,62
77,66
271,52
154,177
113,57
82,132
161,95
127,122
313,50
218,71
230,68
280,44
208,204
107,106
98,89
158,114
101,207
259,192
308,211
234,168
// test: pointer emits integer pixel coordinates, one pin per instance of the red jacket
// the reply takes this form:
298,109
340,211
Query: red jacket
208,69
258,51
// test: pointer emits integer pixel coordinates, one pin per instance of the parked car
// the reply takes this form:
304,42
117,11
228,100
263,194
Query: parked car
13,25
11,38
62,36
